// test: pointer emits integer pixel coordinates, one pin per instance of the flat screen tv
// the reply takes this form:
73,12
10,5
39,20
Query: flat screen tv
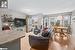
18,22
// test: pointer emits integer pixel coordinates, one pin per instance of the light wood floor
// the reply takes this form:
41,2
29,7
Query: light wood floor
53,45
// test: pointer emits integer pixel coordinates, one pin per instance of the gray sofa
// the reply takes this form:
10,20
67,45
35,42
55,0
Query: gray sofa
38,41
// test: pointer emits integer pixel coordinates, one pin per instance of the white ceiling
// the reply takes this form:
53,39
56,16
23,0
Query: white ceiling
42,6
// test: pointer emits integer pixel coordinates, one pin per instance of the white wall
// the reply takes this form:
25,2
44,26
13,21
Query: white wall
73,28
73,23
12,13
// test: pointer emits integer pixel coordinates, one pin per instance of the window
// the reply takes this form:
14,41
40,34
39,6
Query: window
52,21
58,23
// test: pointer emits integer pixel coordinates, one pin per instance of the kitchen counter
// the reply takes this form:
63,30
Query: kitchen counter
8,36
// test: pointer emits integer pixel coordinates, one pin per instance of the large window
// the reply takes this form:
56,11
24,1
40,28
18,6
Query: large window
52,21
57,23
66,21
